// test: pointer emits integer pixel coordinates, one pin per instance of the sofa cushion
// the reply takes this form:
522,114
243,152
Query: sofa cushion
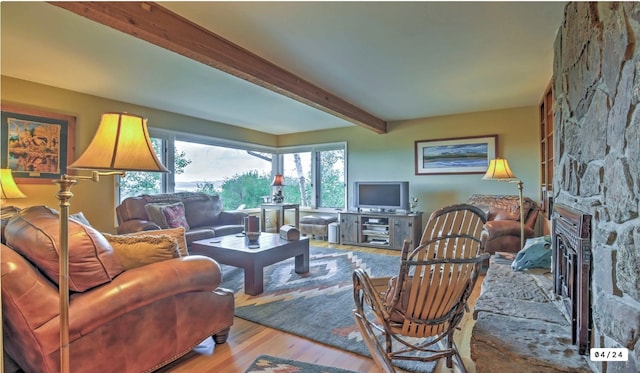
137,250
177,233
203,212
35,233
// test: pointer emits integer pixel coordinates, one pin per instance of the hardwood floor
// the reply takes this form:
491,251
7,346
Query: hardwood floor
248,340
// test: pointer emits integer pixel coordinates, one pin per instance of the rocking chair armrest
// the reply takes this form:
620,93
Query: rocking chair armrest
367,289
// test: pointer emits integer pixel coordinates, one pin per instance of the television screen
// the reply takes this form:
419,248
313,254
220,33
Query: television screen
390,195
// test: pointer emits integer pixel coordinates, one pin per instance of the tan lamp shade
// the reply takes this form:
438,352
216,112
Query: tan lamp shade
121,143
499,170
8,186
278,180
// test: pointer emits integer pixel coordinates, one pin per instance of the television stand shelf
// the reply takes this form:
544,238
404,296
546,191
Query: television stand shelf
377,229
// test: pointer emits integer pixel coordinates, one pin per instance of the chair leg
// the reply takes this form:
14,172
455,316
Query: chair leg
376,350
456,356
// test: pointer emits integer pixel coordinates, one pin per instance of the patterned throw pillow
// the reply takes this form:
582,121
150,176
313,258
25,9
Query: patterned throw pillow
174,215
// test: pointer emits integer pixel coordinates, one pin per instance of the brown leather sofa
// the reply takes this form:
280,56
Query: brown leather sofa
503,220
120,321
204,214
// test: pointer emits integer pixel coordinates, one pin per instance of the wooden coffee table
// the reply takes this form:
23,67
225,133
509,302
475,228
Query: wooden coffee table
234,250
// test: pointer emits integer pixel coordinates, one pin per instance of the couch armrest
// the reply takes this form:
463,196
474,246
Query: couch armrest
139,287
26,293
137,225
499,228
232,217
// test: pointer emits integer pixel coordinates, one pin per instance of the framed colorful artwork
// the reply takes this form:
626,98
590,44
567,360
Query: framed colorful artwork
37,145
462,155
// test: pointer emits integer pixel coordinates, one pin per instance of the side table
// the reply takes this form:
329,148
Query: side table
281,208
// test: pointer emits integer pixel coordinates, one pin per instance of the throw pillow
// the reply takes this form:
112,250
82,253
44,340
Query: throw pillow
34,233
6,213
174,215
154,210
80,218
176,233
138,250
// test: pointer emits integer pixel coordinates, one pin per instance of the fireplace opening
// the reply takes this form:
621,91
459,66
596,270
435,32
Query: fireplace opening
571,235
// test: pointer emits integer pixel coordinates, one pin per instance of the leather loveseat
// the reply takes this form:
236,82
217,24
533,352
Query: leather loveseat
200,214
120,320
503,220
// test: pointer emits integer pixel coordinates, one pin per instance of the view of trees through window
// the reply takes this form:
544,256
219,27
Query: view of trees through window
242,177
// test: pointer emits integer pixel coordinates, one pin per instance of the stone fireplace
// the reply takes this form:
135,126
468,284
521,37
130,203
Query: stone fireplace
596,87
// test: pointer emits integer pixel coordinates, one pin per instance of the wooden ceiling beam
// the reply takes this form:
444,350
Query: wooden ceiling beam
155,24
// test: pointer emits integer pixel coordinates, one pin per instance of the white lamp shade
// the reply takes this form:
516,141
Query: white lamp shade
121,143
499,170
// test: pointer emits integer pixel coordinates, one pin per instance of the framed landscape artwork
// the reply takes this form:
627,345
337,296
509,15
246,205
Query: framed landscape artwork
37,145
463,155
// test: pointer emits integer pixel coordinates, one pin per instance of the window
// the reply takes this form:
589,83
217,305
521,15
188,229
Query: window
242,173
137,183
241,177
315,178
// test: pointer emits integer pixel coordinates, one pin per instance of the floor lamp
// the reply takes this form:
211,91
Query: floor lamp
8,190
499,170
120,144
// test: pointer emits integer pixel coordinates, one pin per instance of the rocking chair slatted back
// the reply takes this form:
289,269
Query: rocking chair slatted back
439,271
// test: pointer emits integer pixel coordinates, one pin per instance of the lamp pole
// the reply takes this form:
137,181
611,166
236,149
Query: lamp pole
519,183
64,195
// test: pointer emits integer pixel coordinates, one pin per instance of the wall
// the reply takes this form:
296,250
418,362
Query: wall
97,200
391,156
370,156
597,127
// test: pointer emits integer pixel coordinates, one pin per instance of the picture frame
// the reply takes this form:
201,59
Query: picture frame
461,155
36,144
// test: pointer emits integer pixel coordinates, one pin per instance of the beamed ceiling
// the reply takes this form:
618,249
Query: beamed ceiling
286,67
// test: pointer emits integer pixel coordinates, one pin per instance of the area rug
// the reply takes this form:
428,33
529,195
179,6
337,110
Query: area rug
271,364
316,305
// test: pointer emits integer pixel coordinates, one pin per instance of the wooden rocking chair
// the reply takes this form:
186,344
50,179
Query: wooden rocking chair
418,310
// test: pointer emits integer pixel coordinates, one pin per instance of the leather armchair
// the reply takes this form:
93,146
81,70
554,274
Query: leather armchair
140,320
502,228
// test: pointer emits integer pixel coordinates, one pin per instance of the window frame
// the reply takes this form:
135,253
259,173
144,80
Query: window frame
315,150
169,138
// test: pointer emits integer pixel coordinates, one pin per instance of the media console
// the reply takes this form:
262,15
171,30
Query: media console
383,230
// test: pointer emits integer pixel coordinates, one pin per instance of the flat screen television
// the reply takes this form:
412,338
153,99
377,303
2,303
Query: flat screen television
381,195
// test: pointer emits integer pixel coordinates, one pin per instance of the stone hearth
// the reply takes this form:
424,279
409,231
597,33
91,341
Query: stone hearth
520,326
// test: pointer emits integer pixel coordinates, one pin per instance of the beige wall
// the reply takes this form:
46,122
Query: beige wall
97,200
370,156
391,156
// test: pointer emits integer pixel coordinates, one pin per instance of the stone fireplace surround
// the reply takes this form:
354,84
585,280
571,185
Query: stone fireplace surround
596,88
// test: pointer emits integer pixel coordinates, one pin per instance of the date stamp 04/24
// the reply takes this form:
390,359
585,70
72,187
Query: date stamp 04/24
608,354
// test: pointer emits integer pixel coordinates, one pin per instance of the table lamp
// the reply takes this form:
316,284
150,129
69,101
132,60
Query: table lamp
8,187
499,170
120,144
277,184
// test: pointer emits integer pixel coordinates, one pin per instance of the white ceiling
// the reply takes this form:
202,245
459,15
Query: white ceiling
396,60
